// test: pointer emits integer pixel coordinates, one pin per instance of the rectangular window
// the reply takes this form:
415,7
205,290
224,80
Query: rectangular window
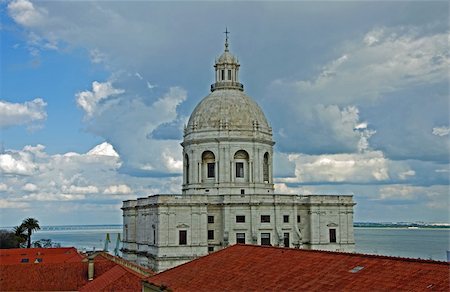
265,218
265,239
240,238
210,234
286,218
210,219
211,170
182,237
240,219
222,75
332,235
154,236
286,239
298,219
229,74
242,192
239,169
210,248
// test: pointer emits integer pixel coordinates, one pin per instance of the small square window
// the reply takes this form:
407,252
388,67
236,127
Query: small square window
210,234
240,238
211,170
240,219
210,248
242,192
210,219
239,169
298,219
286,218
265,218
24,260
182,237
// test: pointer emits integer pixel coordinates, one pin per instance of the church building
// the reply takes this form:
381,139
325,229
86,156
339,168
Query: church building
228,192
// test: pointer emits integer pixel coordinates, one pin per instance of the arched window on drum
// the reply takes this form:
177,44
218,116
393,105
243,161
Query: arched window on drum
241,165
208,165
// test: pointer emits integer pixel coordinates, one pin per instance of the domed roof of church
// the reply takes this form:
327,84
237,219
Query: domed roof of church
228,109
227,57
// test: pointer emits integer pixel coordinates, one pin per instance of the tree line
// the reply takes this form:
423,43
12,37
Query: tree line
20,236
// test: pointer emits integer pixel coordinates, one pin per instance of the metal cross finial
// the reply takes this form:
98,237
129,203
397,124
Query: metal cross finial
226,32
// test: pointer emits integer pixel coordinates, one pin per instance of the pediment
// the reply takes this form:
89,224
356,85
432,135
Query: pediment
332,225
183,226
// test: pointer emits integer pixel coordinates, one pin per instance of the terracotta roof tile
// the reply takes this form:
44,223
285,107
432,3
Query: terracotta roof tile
252,268
43,255
64,269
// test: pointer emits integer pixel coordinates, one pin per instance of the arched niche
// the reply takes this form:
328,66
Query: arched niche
209,165
241,166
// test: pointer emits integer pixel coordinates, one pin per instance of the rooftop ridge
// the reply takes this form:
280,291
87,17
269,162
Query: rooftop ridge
128,265
348,254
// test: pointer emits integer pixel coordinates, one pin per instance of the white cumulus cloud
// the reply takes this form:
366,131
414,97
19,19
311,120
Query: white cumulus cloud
117,190
88,100
26,113
25,13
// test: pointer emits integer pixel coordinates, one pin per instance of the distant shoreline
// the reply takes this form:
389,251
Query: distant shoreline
120,226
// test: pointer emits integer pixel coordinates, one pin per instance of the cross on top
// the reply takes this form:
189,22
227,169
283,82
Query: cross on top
226,32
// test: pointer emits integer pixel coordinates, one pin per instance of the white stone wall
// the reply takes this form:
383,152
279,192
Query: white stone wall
170,213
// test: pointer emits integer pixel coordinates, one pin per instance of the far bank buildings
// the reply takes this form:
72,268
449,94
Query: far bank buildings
228,193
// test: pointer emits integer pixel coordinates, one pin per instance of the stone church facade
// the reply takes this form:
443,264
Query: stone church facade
228,192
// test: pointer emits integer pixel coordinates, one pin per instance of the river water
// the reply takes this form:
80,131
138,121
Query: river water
414,243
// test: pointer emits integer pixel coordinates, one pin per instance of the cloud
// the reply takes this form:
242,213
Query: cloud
397,192
15,205
105,149
387,60
88,100
3,187
29,187
97,56
117,190
441,131
407,174
29,113
338,168
135,118
25,13
369,97
20,162
78,179
73,189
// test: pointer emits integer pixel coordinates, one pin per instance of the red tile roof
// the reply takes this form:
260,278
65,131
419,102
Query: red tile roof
63,269
251,268
43,255
43,277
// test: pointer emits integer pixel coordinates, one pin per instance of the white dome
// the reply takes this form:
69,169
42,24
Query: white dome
228,109
227,58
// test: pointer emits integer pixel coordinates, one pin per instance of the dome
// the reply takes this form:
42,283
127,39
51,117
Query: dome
228,109
227,58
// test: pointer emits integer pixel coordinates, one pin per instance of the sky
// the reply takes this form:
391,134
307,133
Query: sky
94,97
